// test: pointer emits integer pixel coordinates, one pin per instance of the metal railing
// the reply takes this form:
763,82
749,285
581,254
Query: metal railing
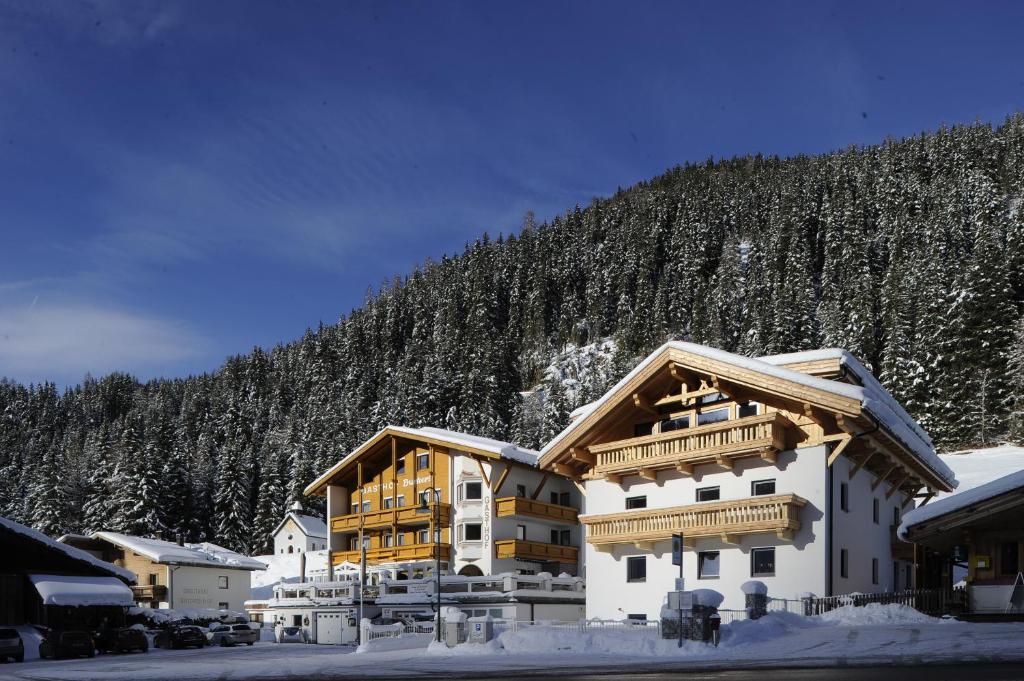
929,601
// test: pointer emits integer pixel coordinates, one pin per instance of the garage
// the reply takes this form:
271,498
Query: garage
329,628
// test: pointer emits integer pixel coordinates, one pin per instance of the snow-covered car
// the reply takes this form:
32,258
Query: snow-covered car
232,634
291,635
11,645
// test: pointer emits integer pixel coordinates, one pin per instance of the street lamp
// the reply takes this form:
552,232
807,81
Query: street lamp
425,508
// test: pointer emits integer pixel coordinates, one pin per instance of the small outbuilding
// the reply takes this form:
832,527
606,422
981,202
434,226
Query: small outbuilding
299,533
43,581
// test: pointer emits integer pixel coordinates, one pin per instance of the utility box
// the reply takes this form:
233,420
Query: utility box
481,629
454,621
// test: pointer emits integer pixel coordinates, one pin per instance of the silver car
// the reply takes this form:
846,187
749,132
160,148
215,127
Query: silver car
232,634
291,635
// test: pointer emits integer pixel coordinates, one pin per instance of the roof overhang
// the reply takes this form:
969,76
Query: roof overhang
956,520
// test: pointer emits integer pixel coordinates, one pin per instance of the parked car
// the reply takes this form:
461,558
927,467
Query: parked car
231,634
57,644
180,636
121,640
291,635
11,645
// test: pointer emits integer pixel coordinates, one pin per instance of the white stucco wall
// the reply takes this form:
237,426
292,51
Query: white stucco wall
800,564
198,587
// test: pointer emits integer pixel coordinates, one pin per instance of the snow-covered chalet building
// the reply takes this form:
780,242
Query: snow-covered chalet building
498,512
791,470
299,533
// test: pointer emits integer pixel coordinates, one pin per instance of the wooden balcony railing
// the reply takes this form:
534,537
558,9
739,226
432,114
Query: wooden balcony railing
394,554
407,516
763,435
521,506
149,592
726,519
535,550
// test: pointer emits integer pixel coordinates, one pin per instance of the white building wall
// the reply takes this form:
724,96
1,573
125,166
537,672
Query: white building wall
862,538
199,587
800,564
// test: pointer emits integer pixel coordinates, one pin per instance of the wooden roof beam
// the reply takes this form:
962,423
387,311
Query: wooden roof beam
896,485
878,481
641,402
648,474
583,456
860,464
842,442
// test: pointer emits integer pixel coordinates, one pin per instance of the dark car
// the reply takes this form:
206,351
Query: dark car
180,636
58,644
11,645
121,640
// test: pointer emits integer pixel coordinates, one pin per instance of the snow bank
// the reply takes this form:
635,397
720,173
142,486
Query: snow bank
638,641
771,626
875,613
403,642
78,591
707,597
70,551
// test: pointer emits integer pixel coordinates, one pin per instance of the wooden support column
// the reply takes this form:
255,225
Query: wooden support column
582,455
648,474
724,462
540,487
837,450
483,474
685,468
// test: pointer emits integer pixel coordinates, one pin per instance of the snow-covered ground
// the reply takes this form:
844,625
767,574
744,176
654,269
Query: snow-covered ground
872,635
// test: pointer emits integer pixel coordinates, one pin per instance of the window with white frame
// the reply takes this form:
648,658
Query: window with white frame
712,416
760,488
222,582
400,539
388,540
708,564
471,490
744,409
471,532
709,494
366,506
423,537
355,507
388,501
422,461
400,501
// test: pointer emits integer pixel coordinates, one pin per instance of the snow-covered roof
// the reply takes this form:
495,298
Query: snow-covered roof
310,525
71,551
75,590
170,553
873,398
459,441
961,500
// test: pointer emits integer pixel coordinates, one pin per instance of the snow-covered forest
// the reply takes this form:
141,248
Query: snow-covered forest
909,253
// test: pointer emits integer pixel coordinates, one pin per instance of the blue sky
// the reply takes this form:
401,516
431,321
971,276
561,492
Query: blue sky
181,181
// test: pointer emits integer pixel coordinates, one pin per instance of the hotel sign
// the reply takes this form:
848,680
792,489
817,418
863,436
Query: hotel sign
402,484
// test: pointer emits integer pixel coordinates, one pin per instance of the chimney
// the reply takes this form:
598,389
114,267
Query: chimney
178,538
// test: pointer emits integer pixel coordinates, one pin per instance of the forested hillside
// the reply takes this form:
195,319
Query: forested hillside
909,253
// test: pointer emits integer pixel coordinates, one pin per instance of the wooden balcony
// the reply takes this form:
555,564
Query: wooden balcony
395,554
765,436
779,514
535,550
407,516
149,592
521,506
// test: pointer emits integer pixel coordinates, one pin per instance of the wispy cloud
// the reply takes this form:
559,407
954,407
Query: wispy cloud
62,341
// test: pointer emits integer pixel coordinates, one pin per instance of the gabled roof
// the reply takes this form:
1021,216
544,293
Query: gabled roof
997,495
70,551
869,399
471,444
170,553
310,525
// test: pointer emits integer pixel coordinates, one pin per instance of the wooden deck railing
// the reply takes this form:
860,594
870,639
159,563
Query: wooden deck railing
406,516
535,550
149,592
715,442
394,554
521,506
779,514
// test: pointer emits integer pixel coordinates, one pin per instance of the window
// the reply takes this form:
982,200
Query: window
844,564
520,490
222,582
400,465
223,605
521,532
678,423
472,532
708,564
636,502
366,506
874,510
296,620
473,491
760,488
708,399
641,429
388,540
564,499
400,501
423,537
874,571
565,538
388,501
712,416
895,576
896,516
422,461
353,544
844,496
708,494
1009,563
366,542
554,537
554,498
636,569
746,409
637,617
762,562
355,507
153,577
